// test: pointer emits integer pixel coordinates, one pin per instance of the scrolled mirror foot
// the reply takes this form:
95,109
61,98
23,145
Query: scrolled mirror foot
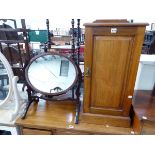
35,99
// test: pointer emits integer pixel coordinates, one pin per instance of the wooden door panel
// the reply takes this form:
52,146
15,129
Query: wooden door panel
110,65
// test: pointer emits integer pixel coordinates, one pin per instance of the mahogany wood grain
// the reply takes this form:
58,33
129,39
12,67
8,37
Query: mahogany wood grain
27,131
58,117
107,120
111,21
109,70
69,132
112,60
144,112
144,104
148,128
111,24
87,57
136,124
138,41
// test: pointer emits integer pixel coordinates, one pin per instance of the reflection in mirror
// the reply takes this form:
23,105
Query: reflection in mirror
52,73
4,82
11,104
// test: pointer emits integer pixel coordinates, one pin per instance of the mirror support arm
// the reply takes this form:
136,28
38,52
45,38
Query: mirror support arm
78,104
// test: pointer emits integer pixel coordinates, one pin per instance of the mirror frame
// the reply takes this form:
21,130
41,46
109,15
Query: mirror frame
13,95
10,76
45,93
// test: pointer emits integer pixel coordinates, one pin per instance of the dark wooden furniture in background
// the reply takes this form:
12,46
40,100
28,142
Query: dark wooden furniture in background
148,45
11,45
144,112
111,57
152,46
4,80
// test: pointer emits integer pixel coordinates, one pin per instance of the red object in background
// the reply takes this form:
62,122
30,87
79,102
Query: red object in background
82,49
66,50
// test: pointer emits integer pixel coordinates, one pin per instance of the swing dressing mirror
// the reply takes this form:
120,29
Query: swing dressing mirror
51,74
54,76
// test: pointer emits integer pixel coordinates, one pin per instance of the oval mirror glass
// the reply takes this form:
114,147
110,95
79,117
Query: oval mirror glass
51,74
4,82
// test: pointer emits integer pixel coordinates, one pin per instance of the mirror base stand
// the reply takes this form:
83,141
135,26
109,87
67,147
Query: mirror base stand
36,99
73,91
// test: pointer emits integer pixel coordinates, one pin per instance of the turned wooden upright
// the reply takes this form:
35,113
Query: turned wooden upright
111,58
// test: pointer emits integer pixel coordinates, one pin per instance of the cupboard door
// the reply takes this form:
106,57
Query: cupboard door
110,66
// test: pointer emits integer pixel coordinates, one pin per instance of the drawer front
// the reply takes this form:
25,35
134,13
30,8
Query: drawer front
69,132
27,131
123,31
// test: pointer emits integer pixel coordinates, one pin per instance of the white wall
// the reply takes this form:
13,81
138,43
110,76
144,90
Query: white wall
60,12
146,73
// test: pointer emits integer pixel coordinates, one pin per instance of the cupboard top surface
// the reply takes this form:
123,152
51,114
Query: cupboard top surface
115,24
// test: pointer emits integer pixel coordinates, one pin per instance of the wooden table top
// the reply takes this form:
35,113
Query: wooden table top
144,105
60,115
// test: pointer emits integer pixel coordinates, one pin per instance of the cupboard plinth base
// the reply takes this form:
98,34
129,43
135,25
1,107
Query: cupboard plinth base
107,120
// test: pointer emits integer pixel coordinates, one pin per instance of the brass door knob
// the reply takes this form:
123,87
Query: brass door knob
87,72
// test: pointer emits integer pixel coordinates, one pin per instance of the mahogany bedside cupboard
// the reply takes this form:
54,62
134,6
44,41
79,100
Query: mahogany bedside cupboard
111,58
